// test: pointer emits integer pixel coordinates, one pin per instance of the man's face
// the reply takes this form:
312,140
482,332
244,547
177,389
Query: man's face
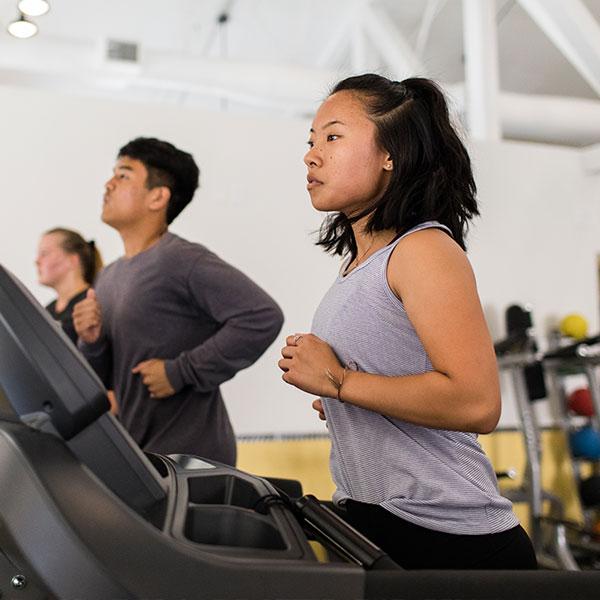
125,196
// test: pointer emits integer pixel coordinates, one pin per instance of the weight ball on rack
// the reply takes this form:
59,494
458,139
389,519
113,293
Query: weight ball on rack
580,402
589,492
574,326
585,443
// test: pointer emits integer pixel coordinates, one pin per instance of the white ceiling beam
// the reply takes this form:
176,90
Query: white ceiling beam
116,86
432,9
390,43
279,82
358,50
338,43
547,119
248,82
358,47
481,69
573,30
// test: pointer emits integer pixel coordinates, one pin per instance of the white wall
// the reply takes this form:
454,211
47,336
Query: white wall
539,232
536,241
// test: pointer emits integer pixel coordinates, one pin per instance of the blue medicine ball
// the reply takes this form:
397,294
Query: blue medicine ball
585,443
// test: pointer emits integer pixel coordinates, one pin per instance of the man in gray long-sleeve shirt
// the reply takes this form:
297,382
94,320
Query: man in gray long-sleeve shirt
170,321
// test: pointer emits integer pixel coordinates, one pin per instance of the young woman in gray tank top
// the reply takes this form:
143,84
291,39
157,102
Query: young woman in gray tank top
399,353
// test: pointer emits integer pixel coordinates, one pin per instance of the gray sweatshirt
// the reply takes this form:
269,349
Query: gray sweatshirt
179,302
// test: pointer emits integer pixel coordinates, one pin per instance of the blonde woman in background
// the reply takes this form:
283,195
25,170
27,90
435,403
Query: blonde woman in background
68,264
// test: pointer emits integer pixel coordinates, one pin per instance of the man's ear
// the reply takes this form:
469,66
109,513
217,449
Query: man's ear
159,198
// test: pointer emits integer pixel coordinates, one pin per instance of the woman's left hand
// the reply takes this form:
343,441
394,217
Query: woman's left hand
306,359
318,406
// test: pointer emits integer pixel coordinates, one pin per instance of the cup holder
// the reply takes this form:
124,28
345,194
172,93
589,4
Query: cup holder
231,526
222,490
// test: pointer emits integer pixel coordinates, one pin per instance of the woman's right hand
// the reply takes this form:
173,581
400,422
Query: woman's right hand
87,318
306,361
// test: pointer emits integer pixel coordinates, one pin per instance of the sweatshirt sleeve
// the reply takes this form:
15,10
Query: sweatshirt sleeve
249,321
99,356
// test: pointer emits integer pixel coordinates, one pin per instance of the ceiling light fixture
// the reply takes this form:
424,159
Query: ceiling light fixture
34,8
22,28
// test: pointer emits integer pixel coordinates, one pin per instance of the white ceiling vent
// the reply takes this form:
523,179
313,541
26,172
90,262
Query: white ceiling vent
117,50
120,55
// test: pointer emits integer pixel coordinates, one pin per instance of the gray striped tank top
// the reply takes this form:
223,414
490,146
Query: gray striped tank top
438,479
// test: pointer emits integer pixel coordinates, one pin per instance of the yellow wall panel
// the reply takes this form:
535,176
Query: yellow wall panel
307,460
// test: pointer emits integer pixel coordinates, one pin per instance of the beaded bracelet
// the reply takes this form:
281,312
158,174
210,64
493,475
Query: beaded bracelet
337,384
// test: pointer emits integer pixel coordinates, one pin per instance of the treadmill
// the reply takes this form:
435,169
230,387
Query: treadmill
84,514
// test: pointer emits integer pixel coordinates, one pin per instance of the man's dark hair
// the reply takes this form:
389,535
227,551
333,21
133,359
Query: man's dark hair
431,179
167,166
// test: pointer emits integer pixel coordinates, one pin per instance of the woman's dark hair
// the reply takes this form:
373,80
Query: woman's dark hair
167,166
89,256
431,179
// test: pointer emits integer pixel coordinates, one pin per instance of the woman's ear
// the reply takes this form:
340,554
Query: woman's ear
75,261
388,163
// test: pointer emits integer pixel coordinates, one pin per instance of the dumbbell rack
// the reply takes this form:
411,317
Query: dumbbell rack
583,357
579,358
549,535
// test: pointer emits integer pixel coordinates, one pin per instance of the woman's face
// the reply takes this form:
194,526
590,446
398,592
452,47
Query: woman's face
52,262
347,170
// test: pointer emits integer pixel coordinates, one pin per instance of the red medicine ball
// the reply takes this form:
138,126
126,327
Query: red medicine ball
580,402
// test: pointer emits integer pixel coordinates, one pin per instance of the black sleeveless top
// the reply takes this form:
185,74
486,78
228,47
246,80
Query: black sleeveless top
65,317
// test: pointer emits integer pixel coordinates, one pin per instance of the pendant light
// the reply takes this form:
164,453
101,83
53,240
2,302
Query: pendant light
34,8
22,28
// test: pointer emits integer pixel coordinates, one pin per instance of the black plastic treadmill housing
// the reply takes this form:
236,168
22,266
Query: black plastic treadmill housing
43,376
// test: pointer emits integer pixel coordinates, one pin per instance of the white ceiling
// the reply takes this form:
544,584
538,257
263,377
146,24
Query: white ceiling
271,55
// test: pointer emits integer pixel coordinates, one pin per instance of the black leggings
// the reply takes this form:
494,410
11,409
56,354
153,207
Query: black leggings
415,547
